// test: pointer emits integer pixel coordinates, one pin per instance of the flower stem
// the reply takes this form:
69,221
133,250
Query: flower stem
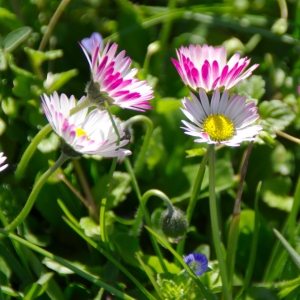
194,195
36,189
215,225
149,130
144,210
103,232
68,265
234,225
63,4
287,136
30,151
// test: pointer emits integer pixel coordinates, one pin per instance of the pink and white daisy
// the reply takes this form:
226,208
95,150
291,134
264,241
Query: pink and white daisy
220,121
86,133
206,67
112,79
2,160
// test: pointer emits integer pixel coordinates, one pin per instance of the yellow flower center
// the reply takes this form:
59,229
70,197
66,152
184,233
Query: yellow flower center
81,132
218,127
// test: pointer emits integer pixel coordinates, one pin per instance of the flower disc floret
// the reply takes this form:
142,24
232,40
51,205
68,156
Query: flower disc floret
206,67
220,121
112,79
86,133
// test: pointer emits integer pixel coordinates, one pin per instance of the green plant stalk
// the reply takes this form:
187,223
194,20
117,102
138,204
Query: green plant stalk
249,270
17,247
207,294
30,151
215,225
235,222
109,257
62,6
36,189
194,195
138,165
65,263
103,232
292,218
292,252
166,28
148,272
144,211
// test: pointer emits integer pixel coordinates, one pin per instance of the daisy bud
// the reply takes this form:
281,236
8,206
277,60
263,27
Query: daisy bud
173,224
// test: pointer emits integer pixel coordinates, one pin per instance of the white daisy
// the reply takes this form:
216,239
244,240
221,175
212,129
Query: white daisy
86,133
220,121
2,160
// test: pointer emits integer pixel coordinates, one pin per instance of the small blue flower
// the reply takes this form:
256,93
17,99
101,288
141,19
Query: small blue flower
197,262
91,42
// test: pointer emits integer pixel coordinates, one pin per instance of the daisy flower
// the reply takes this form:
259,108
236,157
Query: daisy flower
2,160
206,67
112,79
83,133
220,121
197,262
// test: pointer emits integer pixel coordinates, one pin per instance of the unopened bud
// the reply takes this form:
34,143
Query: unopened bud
174,224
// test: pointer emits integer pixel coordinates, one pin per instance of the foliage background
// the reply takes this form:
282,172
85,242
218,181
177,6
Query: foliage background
261,30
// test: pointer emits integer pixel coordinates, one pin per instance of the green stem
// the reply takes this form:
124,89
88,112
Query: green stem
144,211
36,189
249,270
149,130
234,225
63,4
103,232
17,247
215,225
65,263
109,257
194,195
292,218
30,151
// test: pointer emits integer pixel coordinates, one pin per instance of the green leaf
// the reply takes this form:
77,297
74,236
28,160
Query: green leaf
55,81
21,86
10,107
195,152
120,187
167,105
3,62
91,229
277,113
127,246
275,193
38,57
37,289
50,143
153,262
57,267
293,254
155,152
77,291
252,87
16,37
9,291
283,161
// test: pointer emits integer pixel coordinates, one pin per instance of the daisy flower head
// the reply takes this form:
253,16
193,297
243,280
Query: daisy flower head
112,79
206,67
83,133
221,120
197,262
2,160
